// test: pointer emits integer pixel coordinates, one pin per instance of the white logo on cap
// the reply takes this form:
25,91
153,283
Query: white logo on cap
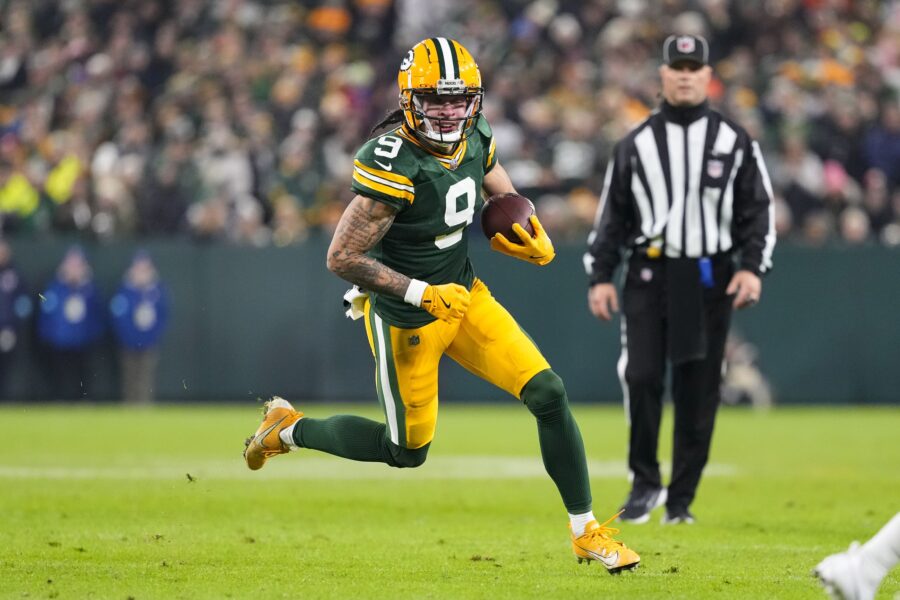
685,44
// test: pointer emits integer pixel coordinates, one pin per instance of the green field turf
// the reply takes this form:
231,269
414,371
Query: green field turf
97,503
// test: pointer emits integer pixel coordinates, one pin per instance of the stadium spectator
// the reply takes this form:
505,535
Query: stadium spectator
139,311
15,309
818,227
881,146
288,225
854,225
799,174
249,228
171,184
876,201
70,321
837,135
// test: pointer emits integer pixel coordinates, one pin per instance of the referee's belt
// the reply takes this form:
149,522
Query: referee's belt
655,253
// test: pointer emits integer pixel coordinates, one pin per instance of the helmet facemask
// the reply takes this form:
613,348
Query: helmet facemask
438,129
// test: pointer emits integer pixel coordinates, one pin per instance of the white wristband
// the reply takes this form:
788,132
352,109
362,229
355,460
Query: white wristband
414,292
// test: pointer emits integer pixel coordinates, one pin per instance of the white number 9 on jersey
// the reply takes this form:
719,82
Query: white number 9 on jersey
454,216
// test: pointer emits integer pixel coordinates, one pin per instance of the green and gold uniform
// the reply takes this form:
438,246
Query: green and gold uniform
437,197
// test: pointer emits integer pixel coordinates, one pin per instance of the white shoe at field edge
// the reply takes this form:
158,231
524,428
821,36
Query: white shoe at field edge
845,577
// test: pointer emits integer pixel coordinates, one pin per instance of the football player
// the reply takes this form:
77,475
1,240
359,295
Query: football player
403,239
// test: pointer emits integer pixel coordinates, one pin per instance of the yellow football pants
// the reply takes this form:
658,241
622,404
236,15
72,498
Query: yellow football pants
487,341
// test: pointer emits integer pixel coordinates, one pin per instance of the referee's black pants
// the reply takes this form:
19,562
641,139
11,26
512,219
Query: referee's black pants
695,384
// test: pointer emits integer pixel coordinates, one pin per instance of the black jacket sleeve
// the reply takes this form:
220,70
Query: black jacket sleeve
614,216
753,229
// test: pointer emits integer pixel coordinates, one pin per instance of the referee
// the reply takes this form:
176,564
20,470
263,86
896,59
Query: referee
687,196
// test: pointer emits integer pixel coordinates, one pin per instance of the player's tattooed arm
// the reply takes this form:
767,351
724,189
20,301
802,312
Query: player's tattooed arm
363,224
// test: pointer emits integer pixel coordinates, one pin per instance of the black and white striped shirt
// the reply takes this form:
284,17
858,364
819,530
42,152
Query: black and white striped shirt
690,182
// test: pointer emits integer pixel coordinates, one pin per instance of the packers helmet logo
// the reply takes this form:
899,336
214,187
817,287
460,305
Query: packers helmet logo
408,61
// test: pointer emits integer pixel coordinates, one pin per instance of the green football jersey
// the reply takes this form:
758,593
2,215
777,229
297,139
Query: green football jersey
436,196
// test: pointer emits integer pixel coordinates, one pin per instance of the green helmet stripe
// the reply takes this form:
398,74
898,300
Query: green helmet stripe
440,56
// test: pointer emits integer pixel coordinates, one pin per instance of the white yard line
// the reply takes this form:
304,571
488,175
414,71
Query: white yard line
437,467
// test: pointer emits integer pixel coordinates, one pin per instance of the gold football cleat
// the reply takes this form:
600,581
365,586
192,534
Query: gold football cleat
597,543
265,443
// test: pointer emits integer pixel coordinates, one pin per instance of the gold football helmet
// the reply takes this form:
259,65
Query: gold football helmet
439,67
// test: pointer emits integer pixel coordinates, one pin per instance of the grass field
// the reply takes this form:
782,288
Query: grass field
96,503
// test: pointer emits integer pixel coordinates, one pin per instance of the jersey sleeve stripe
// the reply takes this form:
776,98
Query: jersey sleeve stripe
376,179
490,158
370,172
365,182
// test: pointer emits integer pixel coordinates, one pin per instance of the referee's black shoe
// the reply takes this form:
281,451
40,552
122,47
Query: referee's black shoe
640,504
676,516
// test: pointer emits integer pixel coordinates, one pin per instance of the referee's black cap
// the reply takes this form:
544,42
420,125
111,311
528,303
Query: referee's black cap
685,48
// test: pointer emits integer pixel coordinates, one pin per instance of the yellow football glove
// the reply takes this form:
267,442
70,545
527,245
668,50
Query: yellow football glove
537,249
447,302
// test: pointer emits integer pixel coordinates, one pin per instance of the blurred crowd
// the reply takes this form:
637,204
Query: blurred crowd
238,119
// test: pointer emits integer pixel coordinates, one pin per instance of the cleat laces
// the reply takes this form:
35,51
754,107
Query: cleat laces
603,535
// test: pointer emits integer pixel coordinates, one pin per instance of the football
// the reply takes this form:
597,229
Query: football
501,211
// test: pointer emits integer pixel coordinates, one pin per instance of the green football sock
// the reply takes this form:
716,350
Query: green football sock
561,446
347,436
356,438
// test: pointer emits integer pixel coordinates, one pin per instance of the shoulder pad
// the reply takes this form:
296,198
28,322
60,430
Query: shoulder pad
484,128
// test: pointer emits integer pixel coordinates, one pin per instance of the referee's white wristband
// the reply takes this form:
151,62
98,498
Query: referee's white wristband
414,292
